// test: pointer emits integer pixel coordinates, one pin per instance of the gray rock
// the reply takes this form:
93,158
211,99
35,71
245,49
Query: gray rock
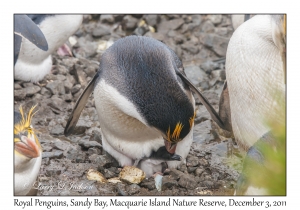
208,27
140,31
75,89
80,158
68,97
129,22
195,74
148,183
19,94
208,66
109,174
31,90
185,180
217,43
121,188
94,150
202,132
17,86
190,47
192,161
174,24
101,30
56,87
151,20
199,171
133,189
208,184
45,92
87,144
216,19
168,182
56,154
57,130
62,69
58,144
203,162
105,18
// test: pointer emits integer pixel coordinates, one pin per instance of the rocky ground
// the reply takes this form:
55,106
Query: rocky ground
214,161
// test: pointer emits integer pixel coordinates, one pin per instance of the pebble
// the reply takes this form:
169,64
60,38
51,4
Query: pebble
87,144
56,154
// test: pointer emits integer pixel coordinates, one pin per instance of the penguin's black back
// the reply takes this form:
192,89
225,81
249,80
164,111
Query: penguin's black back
38,18
143,70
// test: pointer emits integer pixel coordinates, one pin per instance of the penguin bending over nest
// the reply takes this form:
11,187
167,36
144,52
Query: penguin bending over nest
33,63
27,152
144,103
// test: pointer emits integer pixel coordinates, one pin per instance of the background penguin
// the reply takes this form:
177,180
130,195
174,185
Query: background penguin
24,27
33,64
144,104
255,72
27,153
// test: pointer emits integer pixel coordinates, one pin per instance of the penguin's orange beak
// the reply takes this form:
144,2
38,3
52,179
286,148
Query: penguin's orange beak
27,147
171,147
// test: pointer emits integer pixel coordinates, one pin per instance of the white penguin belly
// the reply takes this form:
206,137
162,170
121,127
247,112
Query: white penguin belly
255,80
123,128
26,174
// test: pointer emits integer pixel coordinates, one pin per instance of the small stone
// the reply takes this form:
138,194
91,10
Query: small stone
56,87
199,171
148,183
45,92
80,158
208,66
133,189
58,144
75,89
19,94
101,30
17,86
152,20
187,181
217,43
208,27
129,22
87,144
94,150
190,47
121,188
208,184
168,182
131,174
107,18
203,162
54,154
57,130
114,180
93,174
216,19
195,74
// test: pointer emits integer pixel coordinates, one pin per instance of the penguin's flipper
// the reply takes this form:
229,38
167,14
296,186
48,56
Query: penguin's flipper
224,108
214,115
17,47
27,29
80,103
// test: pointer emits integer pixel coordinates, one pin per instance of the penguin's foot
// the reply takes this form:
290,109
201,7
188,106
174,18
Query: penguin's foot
64,51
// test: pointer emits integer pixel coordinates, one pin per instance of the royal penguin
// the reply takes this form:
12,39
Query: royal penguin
33,64
25,28
27,152
144,103
255,88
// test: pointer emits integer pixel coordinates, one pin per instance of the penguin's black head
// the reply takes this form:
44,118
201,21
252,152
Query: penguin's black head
178,131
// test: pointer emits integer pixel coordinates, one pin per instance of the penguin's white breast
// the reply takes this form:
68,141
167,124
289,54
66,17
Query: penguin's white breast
255,79
123,127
